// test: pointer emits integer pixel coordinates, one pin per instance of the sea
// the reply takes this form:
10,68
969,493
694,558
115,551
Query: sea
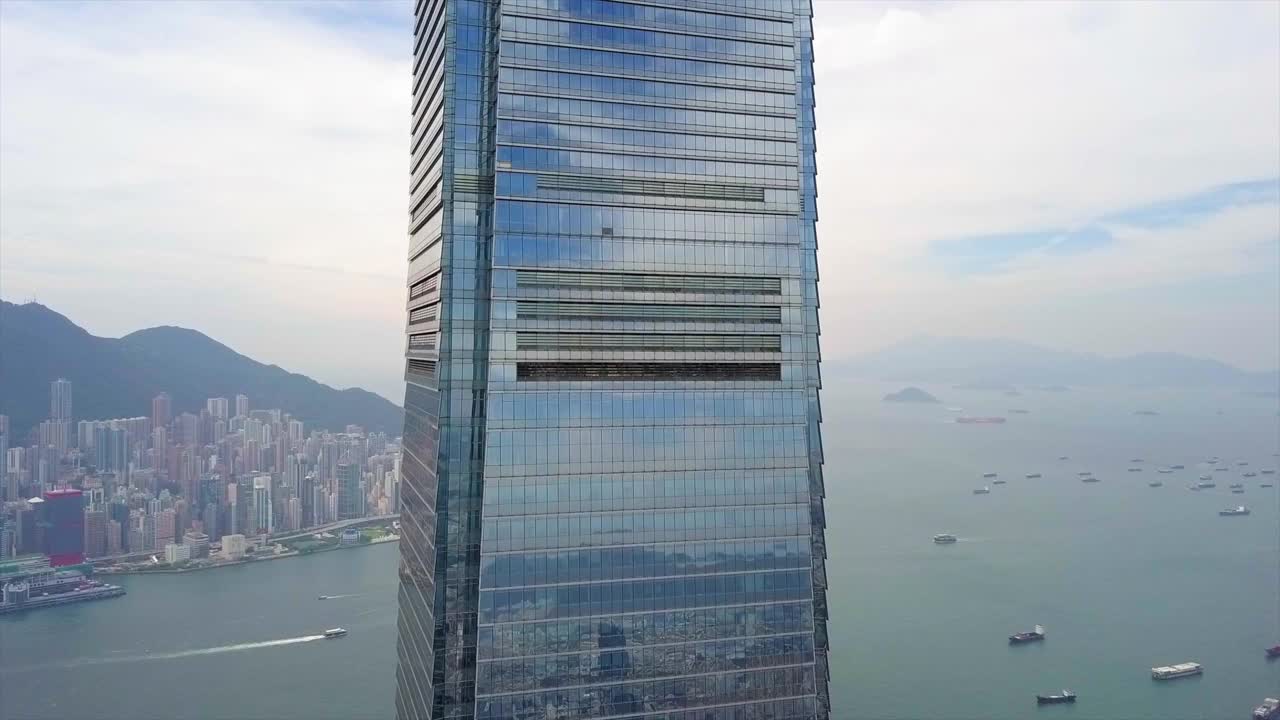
1123,576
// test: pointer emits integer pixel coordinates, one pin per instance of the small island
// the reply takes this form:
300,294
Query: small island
911,395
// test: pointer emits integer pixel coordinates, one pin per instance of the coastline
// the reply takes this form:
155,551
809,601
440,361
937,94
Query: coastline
246,561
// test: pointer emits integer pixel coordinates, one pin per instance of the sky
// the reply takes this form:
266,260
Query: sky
1092,176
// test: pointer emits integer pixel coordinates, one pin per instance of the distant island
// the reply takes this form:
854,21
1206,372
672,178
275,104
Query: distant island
911,395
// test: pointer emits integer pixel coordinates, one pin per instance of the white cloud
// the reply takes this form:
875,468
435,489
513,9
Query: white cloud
242,168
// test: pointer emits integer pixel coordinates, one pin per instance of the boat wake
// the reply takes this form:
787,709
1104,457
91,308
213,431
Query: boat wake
172,655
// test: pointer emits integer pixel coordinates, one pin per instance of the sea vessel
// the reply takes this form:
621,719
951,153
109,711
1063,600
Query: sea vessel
1029,636
970,420
1089,479
1266,485
988,475
1268,710
334,633
1135,469
1178,467
999,482
1064,696
1155,483
1238,491
984,490
1238,510
1268,471
1164,471
1233,486
1205,484
325,597
1064,457
1032,476
944,538
1241,463
1273,651
1222,468
1173,672
1213,460
1137,460
1250,474
1084,473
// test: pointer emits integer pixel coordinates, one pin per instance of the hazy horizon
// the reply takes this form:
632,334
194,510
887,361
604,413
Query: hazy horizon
1117,189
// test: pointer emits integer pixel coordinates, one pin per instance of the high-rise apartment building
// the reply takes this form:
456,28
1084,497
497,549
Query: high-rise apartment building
612,489
60,399
349,494
262,517
217,407
242,406
161,410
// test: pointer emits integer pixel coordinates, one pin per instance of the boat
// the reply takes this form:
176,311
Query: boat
1268,710
1238,510
325,597
999,482
1222,468
1089,479
1164,471
1084,473
1233,486
1032,476
1178,467
1250,474
1241,463
1268,471
1238,491
1155,483
1266,485
1213,460
1064,696
1135,469
984,490
334,633
988,475
1194,488
1137,460
968,420
1273,651
1029,636
945,538
1205,484
1173,672
1064,457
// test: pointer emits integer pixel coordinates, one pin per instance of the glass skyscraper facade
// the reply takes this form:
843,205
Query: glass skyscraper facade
612,475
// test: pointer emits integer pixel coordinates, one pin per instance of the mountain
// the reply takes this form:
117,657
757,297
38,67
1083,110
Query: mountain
117,377
1002,363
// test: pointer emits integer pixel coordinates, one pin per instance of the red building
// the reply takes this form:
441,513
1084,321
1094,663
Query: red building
64,527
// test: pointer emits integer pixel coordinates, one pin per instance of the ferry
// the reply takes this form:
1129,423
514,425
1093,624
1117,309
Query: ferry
1268,710
1173,672
988,475
945,538
984,490
1155,483
1026,637
1065,696
1032,476
1238,510
334,633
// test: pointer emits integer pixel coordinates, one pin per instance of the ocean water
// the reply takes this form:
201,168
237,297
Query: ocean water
1123,577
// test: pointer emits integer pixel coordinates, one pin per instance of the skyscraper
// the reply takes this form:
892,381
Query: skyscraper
612,490
63,520
161,410
217,407
262,517
242,406
349,500
60,399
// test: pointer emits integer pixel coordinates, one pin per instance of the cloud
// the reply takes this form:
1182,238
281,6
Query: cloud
1055,172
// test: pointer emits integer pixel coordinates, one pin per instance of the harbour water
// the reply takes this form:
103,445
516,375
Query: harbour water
1123,576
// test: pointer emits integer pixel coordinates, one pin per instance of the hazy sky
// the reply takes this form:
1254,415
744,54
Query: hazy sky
1097,176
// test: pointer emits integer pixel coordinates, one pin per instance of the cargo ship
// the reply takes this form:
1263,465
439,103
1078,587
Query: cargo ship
1065,696
971,420
1273,652
1026,637
1173,672
1268,710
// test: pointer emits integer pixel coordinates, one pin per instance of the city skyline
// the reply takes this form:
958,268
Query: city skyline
1026,247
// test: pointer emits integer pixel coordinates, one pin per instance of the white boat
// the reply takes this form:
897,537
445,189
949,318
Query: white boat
1172,672
1164,471
334,633
1238,510
984,490
945,538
